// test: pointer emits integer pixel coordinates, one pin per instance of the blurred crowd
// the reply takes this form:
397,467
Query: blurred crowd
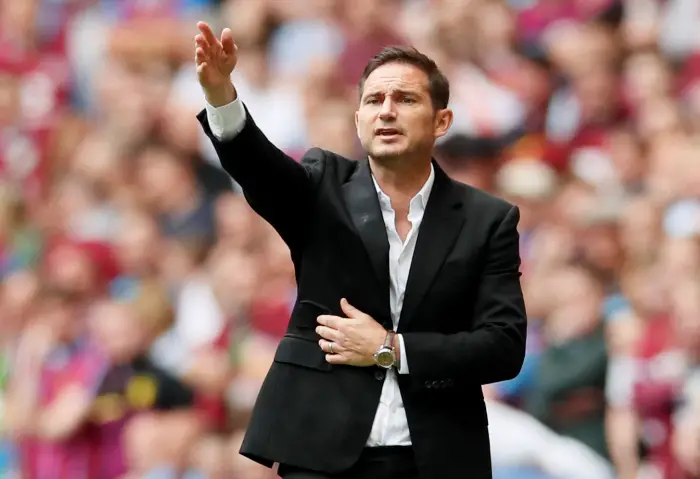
142,300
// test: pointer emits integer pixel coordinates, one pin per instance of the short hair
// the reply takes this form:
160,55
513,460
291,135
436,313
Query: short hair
438,85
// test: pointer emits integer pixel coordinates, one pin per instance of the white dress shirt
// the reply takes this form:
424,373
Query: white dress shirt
390,426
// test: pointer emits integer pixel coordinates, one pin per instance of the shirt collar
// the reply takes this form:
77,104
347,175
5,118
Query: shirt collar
421,198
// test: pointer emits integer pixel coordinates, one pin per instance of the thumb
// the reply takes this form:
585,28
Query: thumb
348,309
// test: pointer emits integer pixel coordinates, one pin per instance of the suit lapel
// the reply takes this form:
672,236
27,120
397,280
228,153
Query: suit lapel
363,205
442,221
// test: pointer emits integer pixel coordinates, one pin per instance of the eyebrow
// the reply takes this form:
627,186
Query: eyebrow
399,91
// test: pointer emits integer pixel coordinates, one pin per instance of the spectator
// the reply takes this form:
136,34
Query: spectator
568,394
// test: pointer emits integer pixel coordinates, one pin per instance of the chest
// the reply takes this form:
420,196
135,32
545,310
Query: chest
403,227
428,255
402,223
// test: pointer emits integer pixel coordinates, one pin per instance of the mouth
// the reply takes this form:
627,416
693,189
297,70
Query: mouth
387,132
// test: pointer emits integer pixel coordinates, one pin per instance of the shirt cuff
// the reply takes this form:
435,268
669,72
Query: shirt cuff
403,362
226,121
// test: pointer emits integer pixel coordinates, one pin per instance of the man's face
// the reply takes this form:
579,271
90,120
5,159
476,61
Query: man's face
396,116
157,175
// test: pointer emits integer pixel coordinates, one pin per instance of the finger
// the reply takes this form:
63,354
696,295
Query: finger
202,42
227,42
200,57
329,334
330,347
330,321
351,311
208,34
336,359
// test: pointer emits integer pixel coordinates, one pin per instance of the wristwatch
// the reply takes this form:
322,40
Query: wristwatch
385,357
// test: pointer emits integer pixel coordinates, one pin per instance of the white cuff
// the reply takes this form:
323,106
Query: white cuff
226,121
403,362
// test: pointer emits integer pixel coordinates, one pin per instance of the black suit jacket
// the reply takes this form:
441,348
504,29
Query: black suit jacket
463,318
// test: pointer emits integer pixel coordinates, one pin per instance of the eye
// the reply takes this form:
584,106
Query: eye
372,101
408,100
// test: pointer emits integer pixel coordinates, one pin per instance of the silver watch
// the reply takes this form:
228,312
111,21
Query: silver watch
385,357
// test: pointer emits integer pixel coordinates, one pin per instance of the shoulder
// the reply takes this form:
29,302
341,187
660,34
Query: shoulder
319,162
486,204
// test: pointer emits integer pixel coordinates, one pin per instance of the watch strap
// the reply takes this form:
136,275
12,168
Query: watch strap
389,341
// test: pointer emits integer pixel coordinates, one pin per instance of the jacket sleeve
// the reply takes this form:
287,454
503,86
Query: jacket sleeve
278,188
494,350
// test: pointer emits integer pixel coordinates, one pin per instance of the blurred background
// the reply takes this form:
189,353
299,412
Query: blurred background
142,300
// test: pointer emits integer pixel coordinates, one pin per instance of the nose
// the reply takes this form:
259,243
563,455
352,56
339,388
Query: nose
387,111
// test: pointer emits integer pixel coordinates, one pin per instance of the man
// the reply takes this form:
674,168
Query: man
380,372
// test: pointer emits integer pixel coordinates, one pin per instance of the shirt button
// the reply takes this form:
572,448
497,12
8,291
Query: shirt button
379,375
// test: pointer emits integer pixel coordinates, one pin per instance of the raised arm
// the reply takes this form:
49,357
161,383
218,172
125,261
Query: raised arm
277,187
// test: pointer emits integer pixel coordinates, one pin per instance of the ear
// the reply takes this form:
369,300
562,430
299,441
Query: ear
357,124
443,122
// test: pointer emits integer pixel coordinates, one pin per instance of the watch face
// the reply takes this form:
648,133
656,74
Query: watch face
385,358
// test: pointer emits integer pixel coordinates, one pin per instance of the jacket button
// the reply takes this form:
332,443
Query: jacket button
379,375
437,384
428,384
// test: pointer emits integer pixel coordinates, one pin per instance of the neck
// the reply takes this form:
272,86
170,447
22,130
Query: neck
400,179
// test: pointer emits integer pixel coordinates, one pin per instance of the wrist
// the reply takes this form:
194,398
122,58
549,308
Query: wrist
385,356
221,96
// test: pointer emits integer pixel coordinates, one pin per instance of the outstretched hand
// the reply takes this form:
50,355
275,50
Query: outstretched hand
352,340
215,60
